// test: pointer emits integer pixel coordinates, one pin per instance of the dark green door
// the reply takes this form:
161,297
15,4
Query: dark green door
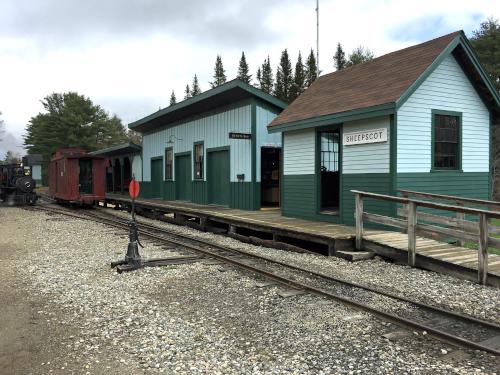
156,177
85,178
218,177
183,177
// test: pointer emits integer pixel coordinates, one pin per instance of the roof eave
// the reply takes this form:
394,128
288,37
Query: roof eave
336,118
208,94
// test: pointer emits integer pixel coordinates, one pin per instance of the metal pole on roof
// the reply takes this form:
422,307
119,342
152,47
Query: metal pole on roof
317,38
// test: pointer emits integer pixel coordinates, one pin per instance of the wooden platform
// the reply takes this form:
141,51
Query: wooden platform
335,236
433,255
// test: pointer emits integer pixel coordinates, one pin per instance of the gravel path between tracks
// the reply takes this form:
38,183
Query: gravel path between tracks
194,318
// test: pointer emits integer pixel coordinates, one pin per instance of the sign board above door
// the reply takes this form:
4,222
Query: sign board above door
240,135
366,136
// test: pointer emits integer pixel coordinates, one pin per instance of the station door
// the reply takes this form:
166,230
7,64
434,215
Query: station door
156,177
218,177
183,177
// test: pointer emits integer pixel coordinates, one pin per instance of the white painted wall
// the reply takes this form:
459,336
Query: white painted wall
264,139
299,152
370,157
447,88
36,172
214,131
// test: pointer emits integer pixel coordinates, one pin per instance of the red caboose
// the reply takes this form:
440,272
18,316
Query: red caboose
77,177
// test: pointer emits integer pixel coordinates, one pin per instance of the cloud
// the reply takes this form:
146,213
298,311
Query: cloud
57,22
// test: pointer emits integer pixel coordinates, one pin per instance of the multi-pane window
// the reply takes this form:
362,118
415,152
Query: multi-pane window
329,151
169,154
198,161
446,142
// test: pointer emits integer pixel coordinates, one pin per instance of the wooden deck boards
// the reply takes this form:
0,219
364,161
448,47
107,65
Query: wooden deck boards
437,250
268,218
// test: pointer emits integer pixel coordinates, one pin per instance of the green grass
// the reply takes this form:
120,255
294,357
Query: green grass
491,250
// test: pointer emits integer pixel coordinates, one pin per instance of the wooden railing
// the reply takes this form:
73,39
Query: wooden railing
449,227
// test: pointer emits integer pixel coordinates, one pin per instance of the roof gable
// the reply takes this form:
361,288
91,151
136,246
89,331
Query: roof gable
385,82
228,93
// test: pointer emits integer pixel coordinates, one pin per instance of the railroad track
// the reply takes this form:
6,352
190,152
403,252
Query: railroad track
445,325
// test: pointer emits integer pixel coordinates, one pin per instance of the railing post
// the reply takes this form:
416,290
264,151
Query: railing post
460,217
359,220
482,251
412,236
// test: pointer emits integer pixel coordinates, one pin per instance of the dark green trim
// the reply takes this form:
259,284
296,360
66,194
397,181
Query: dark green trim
435,112
464,43
226,90
336,118
282,168
393,154
165,171
317,171
156,157
184,153
194,178
427,72
256,187
221,148
482,72
209,112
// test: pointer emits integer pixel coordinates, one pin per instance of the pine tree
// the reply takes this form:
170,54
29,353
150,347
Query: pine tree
187,92
339,58
243,71
195,88
299,79
265,77
219,73
173,99
284,78
259,77
311,69
359,55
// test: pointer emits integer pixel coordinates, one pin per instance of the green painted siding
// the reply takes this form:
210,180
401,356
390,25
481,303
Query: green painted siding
169,190
470,185
243,195
372,182
199,192
145,189
299,196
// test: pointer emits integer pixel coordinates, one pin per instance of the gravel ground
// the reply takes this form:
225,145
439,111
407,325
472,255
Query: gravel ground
425,286
193,318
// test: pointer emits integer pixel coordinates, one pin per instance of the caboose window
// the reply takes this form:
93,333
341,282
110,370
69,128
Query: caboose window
168,164
198,161
446,141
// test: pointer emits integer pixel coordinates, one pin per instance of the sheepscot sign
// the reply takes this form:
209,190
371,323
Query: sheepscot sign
367,136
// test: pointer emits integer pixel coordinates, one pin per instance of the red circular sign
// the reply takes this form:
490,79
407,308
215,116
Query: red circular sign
133,189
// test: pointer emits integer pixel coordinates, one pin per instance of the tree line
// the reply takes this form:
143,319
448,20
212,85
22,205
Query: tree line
288,83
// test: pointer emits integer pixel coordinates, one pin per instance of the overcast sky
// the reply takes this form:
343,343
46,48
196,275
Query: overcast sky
128,55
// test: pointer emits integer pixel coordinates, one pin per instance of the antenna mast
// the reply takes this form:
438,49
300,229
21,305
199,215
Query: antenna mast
317,38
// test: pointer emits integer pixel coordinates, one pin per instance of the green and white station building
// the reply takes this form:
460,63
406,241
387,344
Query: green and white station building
418,119
213,148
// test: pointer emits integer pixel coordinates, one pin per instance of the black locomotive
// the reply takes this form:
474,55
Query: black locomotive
16,184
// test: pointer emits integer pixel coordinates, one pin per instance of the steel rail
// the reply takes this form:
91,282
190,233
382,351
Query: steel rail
384,315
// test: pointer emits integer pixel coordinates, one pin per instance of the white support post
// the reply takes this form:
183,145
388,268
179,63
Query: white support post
359,220
412,237
482,251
